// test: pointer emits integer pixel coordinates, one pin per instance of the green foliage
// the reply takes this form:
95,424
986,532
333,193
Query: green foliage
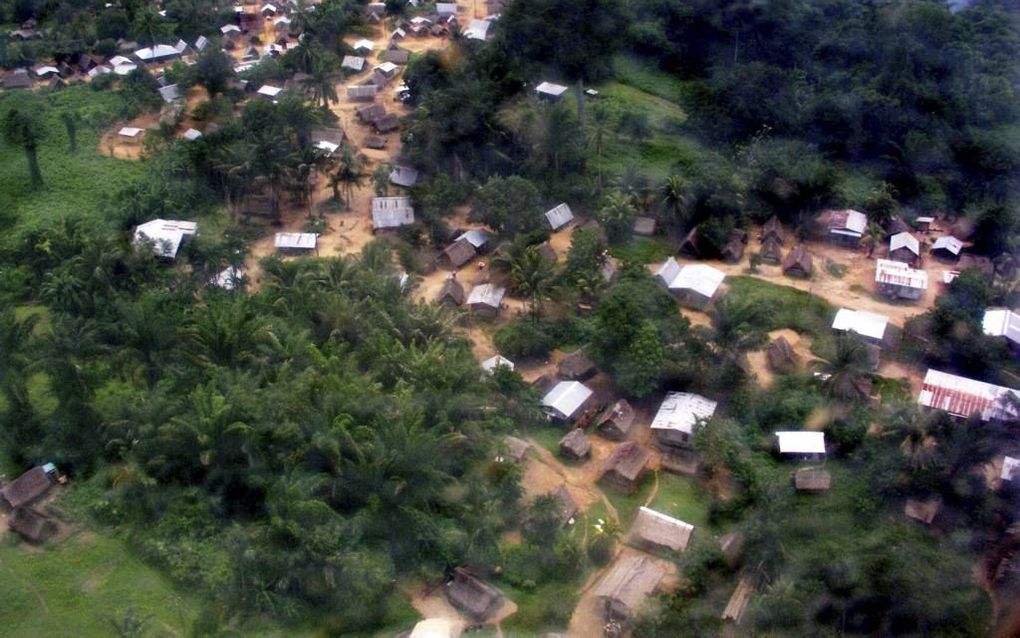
523,339
511,206
616,215
783,307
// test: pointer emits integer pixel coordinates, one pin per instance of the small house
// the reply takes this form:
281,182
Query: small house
946,248
369,113
459,253
798,262
896,226
485,300
812,480
17,79
516,448
626,466
404,176
269,91
165,236
550,91
575,445
644,226
478,238
559,216
961,397
781,357
678,413
391,212
296,243
31,486
374,141
626,585
361,93
615,423
452,293
924,224
159,53
690,246
191,134
363,46
567,400
897,280
801,445
132,133
387,123
694,284
772,229
353,63
922,511
498,361
577,366
230,278
568,506
655,531
733,251
477,599
1000,322
846,227
396,56
327,140
31,525
736,606
904,247
771,250
1010,469
386,68
870,326
477,30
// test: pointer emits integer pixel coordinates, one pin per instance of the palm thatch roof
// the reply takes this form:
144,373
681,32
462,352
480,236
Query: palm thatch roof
616,421
576,366
781,357
451,293
575,444
471,595
810,480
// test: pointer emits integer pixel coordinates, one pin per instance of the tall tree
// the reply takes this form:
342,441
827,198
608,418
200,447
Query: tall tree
23,128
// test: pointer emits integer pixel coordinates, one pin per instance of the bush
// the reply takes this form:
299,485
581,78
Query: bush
523,339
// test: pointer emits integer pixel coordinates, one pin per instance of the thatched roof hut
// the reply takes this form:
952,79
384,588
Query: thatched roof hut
29,487
31,525
575,445
737,605
459,253
733,251
781,357
626,585
616,421
771,250
516,448
773,230
798,262
568,506
452,293
625,467
810,480
691,245
471,595
576,366
657,531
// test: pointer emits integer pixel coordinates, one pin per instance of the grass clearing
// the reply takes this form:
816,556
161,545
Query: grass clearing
640,74
681,498
643,250
785,307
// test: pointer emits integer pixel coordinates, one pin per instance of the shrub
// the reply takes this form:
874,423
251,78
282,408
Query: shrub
523,339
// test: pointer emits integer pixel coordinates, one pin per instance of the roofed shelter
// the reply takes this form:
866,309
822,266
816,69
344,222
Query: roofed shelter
568,506
577,366
166,236
771,250
781,356
904,247
615,423
626,466
846,227
29,487
474,597
485,300
659,532
961,397
694,284
296,243
946,248
459,253
798,262
1000,322
516,448
452,293
550,91
772,229
391,212
922,511
869,325
626,585
31,525
897,280
566,400
559,216
801,444
678,413
575,445
812,480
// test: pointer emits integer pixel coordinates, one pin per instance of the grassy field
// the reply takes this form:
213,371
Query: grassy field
643,250
785,307
76,587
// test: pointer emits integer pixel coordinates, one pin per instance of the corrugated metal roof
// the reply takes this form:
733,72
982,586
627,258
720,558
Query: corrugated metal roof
948,242
801,442
566,397
1010,469
490,364
477,30
701,278
905,240
476,237
1000,322
900,274
866,324
391,212
404,176
353,62
849,221
269,90
296,241
166,235
549,88
962,397
681,410
559,216
486,295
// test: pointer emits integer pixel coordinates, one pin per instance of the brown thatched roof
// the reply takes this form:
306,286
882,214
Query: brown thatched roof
396,56
28,487
30,524
452,292
386,123
922,511
733,250
732,547
374,141
516,447
737,604
617,420
369,113
576,366
771,250
575,444
690,245
808,480
897,225
798,262
629,582
781,356
544,384
568,506
659,531
472,596
772,229
460,252
627,461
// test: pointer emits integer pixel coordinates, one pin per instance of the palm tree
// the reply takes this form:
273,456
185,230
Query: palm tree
349,175
599,127
23,128
847,373
905,422
675,198
736,327
530,273
323,79
234,163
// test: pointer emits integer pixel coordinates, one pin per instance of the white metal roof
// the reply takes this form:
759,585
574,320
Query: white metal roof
391,212
948,242
192,134
353,62
165,235
566,397
46,70
962,397
169,93
386,67
548,88
900,274
420,20
486,295
364,44
866,324
124,69
327,147
157,52
1010,469
296,241
130,131
228,278
681,411
492,363
269,90
201,43
801,442
949,275
230,28
559,216
476,238
404,176
856,221
118,60
446,8
282,20
101,69
905,240
701,278
434,628
477,30
1000,322
925,220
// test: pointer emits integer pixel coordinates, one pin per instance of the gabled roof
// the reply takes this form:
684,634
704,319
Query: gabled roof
810,480
575,443
621,414
391,212
169,93
962,397
566,397
158,52
361,90
446,8
404,176
269,90
130,131
848,222
386,67
680,411
656,528
296,241
1010,469
486,295
905,240
1000,322
898,273
364,44
498,361
192,134
701,278
801,442
559,216
866,324
228,278
460,252
551,89
353,62
166,235
31,485
477,30
628,461
476,237
452,290
948,243
630,580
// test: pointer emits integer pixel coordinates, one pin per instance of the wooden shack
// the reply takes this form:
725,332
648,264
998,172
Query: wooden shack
29,487
31,525
771,250
772,230
616,421
656,531
781,357
625,467
575,445
567,505
516,448
627,584
476,598
577,366
452,293
798,262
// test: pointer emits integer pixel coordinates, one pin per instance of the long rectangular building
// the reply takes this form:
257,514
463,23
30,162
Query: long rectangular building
962,397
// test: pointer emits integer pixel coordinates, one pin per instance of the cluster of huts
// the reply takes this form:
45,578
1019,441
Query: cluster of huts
22,500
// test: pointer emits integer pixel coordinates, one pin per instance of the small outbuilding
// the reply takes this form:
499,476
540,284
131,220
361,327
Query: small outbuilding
798,262
678,413
459,253
946,248
353,63
165,236
485,300
626,586
471,595
28,488
626,466
498,361
615,423
559,216
296,243
1010,469
870,326
656,531
452,293
577,366
31,525
812,480
550,91
693,284
771,250
566,400
516,448
905,248
404,176
575,445
781,357
568,506
736,606
846,227
391,212
773,230
644,226
802,445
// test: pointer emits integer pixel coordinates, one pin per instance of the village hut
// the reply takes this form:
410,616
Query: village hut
374,141
485,300
737,604
905,248
516,448
678,413
946,248
896,226
575,445
812,480
626,585
922,511
459,253
545,384
626,466
846,227
616,421
577,366
567,400
803,445
644,226
568,506
471,595
798,262
772,229
31,525
656,531
29,487
691,245
694,285
452,293
771,250
733,251
781,357
387,123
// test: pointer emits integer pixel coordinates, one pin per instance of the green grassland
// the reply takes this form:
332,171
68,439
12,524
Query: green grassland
784,307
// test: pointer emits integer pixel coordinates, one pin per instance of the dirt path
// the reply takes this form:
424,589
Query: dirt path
547,473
